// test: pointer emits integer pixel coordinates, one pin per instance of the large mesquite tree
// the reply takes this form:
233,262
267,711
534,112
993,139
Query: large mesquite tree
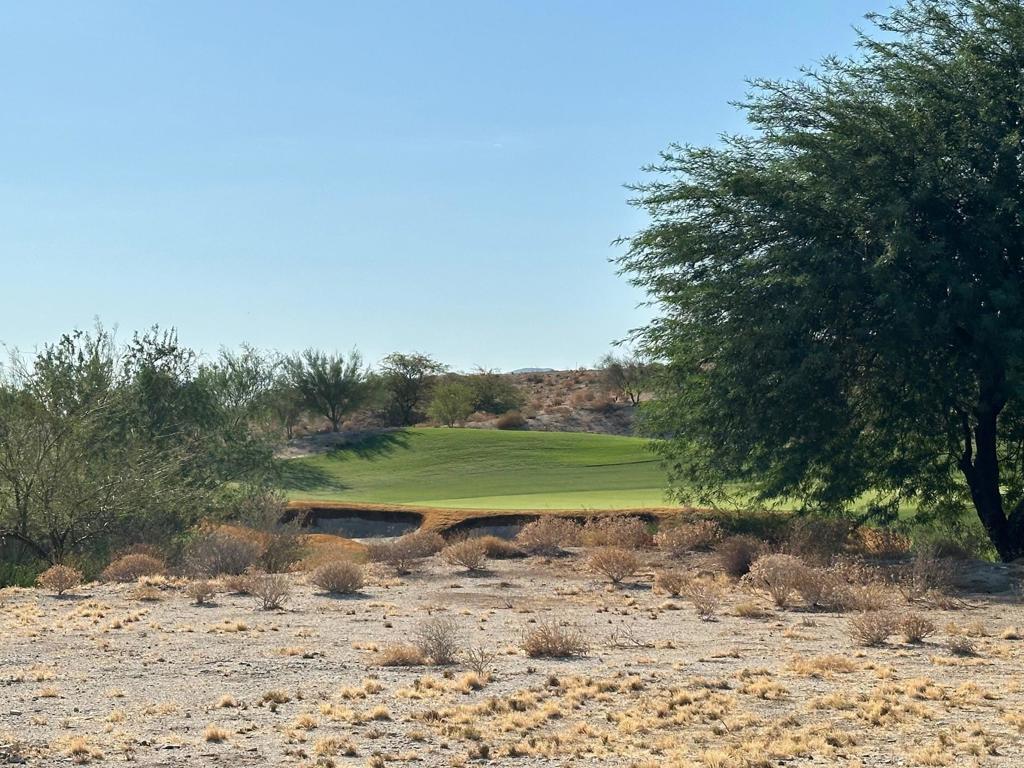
841,291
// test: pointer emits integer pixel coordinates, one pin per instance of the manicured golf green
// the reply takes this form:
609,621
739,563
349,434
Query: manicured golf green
463,468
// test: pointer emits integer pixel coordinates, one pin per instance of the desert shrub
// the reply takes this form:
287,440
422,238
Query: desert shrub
882,542
201,591
400,655
271,590
816,540
706,597
498,548
672,581
222,551
961,645
133,566
60,578
736,554
510,420
339,577
614,563
779,576
403,553
470,554
555,640
926,574
438,640
238,584
873,628
914,627
281,549
547,535
679,538
623,532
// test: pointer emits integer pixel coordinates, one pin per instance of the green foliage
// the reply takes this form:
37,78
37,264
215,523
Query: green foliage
330,385
407,380
493,392
101,445
842,292
452,401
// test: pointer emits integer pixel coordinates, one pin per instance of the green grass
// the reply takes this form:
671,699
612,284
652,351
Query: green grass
461,468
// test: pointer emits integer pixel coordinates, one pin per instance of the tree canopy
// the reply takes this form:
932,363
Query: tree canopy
840,291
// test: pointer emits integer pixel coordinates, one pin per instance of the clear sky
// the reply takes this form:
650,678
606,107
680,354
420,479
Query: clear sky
442,176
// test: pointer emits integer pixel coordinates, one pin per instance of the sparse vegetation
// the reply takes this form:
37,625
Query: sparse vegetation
60,579
614,563
340,577
271,590
556,640
470,554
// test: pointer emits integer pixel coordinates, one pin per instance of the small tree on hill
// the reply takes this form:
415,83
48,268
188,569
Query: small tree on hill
330,385
452,401
628,375
407,379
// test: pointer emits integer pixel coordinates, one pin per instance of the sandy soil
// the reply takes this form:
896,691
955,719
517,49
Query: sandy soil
104,677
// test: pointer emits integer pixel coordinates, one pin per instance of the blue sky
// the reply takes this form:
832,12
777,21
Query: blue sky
443,177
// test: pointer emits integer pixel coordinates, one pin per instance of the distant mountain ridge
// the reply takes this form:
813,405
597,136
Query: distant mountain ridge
534,370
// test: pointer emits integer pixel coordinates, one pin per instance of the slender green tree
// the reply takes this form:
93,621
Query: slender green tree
840,292
330,385
407,379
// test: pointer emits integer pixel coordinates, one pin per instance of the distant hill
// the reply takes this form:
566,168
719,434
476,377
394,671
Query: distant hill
534,370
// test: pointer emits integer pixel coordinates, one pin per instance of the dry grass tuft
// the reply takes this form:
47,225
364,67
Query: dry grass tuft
214,734
201,591
915,628
400,655
554,640
873,628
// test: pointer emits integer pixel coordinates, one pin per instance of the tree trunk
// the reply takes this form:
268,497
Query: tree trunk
980,466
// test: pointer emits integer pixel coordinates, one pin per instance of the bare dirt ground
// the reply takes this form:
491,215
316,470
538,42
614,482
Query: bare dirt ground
104,677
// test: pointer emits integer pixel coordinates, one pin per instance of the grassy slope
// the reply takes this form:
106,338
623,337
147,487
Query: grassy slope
463,468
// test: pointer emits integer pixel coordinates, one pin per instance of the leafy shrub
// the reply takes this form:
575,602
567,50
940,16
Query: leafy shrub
470,554
615,563
132,567
915,628
281,549
736,554
201,591
673,582
271,590
625,532
339,577
554,640
222,551
873,628
510,420
438,640
60,578
679,538
548,535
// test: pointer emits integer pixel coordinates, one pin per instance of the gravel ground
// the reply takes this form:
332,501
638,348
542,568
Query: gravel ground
104,677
